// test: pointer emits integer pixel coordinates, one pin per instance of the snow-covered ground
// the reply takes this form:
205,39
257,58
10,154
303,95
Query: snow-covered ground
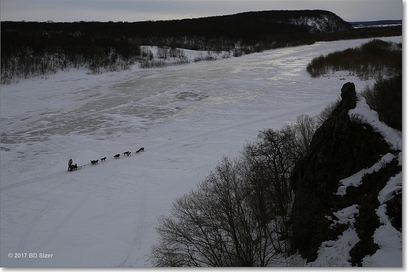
186,117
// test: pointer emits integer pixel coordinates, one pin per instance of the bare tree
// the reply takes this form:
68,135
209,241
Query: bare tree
305,128
272,159
219,224
162,52
239,215
325,114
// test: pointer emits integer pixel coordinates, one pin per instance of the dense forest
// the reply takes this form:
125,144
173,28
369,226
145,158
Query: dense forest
40,48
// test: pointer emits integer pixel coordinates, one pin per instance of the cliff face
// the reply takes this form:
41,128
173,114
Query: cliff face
343,146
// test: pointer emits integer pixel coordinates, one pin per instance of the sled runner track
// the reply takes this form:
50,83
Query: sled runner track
29,181
139,225
48,207
43,178
60,226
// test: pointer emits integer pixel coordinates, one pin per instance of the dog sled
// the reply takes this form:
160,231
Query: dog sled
74,168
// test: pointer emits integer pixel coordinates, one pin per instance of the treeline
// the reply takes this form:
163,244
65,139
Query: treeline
40,48
32,49
247,29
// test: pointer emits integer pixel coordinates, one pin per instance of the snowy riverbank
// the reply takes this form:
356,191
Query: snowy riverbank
187,117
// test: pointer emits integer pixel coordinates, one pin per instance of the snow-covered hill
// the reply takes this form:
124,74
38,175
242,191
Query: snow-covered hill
322,23
186,117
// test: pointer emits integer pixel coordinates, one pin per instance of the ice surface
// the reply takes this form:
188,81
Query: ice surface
187,117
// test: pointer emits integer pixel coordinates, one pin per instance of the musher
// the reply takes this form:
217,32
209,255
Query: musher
70,165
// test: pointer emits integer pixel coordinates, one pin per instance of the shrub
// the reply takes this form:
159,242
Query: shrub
152,63
369,60
385,97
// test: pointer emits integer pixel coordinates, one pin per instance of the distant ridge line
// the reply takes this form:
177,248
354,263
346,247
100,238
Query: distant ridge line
376,23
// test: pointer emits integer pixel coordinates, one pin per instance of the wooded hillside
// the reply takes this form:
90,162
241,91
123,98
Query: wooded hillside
38,48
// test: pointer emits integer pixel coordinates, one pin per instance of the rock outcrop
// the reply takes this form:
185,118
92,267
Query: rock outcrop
340,148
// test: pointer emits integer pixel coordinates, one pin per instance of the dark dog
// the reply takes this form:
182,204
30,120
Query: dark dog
127,153
103,159
73,167
117,156
94,162
140,150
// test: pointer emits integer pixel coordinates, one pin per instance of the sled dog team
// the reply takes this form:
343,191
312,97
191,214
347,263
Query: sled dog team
72,166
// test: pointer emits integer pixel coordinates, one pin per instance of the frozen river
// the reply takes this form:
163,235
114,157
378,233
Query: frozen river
187,117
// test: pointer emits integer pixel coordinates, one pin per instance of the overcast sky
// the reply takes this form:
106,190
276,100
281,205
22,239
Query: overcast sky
143,10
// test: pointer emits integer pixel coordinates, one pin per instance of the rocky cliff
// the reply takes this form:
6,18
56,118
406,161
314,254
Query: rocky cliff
351,173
